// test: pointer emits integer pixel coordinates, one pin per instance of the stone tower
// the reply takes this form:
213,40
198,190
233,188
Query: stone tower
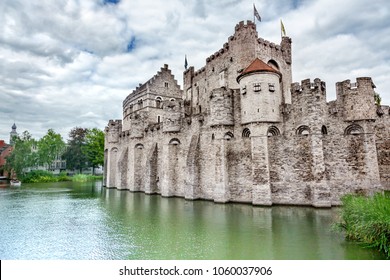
261,94
356,100
12,134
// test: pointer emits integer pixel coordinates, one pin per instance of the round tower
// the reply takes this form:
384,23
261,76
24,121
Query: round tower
221,106
261,94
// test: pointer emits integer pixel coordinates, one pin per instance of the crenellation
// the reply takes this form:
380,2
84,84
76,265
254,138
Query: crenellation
242,131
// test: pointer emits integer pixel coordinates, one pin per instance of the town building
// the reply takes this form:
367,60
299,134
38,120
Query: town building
5,150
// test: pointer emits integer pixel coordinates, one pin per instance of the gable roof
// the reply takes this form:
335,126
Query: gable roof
257,66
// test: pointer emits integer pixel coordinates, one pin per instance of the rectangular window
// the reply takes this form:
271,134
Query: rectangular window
271,87
256,87
222,79
166,84
243,90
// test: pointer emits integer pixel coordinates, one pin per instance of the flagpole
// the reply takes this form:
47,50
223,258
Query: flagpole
254,14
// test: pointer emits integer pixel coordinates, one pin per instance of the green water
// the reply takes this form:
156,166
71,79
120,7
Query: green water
86,221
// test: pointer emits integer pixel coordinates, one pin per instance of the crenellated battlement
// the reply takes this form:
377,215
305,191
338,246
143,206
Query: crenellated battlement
218,53
241,131
113,130
309,103
114,123
362,83
356,100
306,86
269,44
245,25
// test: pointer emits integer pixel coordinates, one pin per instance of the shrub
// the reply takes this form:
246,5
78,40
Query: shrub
85,178
367,220
43,176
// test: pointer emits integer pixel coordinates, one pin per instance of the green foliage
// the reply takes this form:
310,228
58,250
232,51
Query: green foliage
50,147
85,148
367,220
85,178
377,98
74,156
42,176
94,147
23,156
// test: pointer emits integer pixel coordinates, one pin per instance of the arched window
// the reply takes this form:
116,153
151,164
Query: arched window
246,133
139,146
353,129
212,136
324,130
273,131
303,130
228,135
174,141
158,102
273,64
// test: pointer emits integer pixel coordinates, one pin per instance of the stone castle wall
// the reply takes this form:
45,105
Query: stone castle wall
294,148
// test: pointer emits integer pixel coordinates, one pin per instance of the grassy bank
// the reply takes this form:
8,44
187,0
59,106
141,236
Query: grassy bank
85,178
367,220
40,176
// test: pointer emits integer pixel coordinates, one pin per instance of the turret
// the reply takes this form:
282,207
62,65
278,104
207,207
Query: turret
309,104
356,100
221,107
172,116
261,94
113,130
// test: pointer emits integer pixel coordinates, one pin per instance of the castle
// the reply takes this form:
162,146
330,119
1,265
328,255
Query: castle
241,131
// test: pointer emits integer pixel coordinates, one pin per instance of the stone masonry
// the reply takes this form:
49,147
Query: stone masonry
241,131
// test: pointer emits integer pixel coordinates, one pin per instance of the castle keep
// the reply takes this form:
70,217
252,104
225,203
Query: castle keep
241,131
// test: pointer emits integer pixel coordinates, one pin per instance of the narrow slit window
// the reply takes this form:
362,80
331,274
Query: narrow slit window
243,90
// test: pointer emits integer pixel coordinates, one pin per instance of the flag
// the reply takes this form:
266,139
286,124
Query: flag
283,31
256,13
185,62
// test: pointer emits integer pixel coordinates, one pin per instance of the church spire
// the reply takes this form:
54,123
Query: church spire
12,134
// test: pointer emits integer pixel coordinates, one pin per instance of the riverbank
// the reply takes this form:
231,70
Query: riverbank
367,220
40,176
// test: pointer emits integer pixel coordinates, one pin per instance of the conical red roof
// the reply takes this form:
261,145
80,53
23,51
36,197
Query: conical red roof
257,66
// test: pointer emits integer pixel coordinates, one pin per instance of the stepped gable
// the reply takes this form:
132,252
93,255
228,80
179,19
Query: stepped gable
258,66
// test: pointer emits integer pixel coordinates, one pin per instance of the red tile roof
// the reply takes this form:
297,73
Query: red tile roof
258,66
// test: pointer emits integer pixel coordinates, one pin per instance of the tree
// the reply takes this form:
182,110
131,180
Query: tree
23,156
94,147
377,98
74,156
50,147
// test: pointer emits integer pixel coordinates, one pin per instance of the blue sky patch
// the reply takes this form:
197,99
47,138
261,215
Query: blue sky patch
114,2
131,44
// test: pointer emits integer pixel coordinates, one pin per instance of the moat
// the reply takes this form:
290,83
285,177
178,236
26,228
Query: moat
87,221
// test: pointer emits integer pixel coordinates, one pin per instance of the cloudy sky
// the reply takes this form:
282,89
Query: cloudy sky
67,63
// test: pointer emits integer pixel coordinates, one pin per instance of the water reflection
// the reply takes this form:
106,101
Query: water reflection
162,228
86,221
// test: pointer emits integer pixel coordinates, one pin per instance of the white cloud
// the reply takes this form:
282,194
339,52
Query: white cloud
71,63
